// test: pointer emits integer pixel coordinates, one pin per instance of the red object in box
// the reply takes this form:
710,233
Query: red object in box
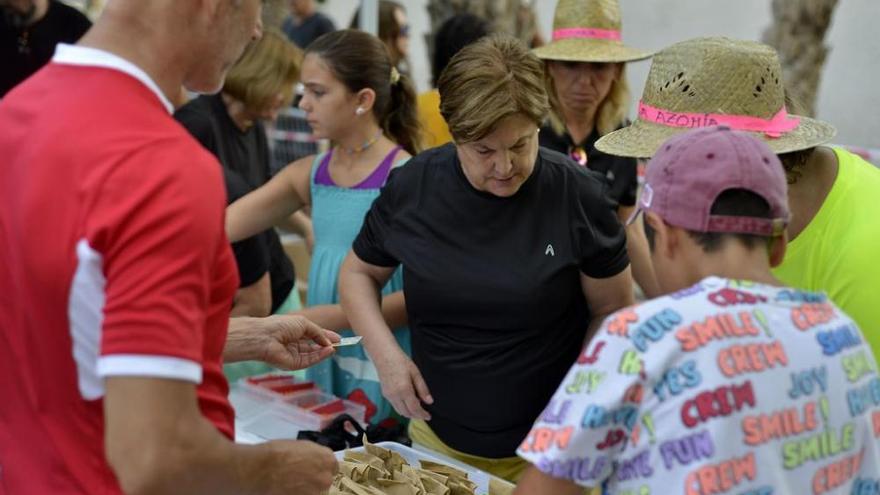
290,388
315,410
280,384
334,407
256,380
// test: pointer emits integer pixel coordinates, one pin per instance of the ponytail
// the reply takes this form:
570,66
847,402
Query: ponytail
401,123
359,60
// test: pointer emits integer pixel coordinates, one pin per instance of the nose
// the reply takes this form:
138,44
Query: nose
304,103
504,165
585,74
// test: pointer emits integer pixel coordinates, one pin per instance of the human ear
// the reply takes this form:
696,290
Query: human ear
776,249
366,98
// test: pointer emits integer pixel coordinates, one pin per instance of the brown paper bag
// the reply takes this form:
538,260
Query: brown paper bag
358,489
450,471
411,475
365,458
396,487
432,485
461,487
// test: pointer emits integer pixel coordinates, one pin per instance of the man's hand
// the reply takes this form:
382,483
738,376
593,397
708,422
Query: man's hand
299,467
294,342
284,341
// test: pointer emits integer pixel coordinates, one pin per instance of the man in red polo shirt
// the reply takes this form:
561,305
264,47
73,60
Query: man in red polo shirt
116,277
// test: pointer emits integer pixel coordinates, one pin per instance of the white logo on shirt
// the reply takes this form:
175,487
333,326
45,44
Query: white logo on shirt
549,251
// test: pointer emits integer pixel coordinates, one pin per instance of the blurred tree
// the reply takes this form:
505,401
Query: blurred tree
798,34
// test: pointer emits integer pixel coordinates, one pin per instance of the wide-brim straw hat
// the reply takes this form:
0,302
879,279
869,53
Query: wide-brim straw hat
711,81
588,31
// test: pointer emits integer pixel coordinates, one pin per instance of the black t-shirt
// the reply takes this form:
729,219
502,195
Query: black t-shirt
621,172
24,50
309,30
247,155
251,254
492,286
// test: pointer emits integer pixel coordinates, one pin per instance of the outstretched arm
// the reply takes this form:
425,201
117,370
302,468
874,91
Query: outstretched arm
402,383
332,316
271,204
285,341
158,442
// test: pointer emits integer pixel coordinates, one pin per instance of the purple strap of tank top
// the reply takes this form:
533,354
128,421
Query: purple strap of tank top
373,181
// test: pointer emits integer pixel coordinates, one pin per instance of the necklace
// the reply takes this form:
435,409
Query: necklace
363,147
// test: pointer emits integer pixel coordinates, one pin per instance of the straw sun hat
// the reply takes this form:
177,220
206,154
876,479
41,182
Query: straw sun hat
588,31
709,81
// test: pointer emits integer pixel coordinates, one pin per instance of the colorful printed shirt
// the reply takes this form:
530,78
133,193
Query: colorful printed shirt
725,387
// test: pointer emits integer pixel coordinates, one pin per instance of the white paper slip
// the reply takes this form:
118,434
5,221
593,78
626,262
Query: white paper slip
348,341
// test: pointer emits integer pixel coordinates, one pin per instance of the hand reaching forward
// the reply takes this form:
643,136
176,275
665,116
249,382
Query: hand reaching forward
294,342
403,385
299,467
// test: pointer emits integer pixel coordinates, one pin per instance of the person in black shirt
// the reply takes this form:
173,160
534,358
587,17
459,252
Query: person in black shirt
589,97
511,256
229,125
29,31
254,296
306,24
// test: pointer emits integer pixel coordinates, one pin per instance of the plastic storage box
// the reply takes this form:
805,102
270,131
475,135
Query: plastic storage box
277,406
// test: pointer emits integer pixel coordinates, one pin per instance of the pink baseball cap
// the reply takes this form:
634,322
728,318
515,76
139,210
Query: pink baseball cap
690,170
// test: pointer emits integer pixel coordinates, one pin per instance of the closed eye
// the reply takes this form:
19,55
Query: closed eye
315,90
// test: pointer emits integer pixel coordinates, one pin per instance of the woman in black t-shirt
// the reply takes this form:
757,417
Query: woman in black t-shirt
511,256
230,126
589,97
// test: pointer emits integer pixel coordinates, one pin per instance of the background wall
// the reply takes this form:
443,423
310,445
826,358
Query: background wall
848,97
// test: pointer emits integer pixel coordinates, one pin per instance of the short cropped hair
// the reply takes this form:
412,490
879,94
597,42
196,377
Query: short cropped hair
487,81
737,202
267,67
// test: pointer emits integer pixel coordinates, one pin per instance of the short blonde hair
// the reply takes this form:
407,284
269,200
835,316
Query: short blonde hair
610,115
267,67
487,81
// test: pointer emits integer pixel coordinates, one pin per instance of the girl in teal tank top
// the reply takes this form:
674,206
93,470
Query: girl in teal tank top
337,213
353,98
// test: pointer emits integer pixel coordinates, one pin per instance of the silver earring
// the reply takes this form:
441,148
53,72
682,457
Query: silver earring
359,111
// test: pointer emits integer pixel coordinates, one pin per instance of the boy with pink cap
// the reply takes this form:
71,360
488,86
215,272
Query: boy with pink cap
731,382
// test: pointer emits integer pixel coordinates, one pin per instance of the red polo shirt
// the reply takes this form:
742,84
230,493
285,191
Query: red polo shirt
113,262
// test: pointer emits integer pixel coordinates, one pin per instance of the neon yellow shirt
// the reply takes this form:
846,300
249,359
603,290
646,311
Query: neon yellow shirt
839,250
436,132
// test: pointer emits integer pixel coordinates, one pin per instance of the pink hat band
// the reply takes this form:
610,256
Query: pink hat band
586,33
773,127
